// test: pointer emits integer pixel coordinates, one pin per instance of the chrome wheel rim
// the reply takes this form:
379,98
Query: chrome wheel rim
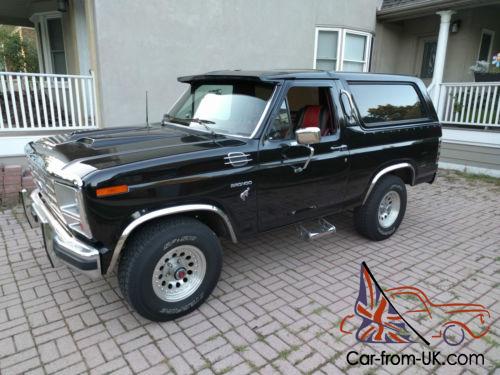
388,210
179,273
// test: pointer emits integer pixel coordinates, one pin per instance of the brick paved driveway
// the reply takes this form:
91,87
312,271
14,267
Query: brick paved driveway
277,306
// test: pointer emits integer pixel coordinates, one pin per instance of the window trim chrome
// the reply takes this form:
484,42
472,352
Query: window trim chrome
162,213
387,170
265,112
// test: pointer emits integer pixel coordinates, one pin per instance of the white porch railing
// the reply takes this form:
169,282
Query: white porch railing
475,104
36,102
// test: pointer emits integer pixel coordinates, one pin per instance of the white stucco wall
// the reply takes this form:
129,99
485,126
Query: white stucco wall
143,46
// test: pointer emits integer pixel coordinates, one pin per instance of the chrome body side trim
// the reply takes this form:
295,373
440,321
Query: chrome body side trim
387,170
166,212
62,239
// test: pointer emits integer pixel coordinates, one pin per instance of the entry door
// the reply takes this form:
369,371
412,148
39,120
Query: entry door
287,192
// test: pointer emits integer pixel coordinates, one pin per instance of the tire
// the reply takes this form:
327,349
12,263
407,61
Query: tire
366,218
160,273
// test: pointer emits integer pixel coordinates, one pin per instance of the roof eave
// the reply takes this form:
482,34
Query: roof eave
427,7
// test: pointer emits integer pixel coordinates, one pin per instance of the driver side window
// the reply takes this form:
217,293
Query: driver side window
304,107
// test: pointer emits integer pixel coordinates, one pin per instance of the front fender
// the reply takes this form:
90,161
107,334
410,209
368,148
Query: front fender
164,212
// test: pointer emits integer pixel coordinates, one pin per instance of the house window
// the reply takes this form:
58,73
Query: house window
342,49
355,57
52,52
485,45
428,59
327,49
56,43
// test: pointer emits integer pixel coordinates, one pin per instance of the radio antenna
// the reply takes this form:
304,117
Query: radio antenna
147,110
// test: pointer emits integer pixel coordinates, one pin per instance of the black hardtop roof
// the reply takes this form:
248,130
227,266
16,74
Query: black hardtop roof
278,75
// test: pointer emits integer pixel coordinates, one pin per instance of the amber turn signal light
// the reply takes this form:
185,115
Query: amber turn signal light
111,190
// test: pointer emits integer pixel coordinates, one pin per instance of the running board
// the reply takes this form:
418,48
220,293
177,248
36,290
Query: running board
315,230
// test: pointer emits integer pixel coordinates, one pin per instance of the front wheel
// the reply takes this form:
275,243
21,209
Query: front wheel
170,267
384,209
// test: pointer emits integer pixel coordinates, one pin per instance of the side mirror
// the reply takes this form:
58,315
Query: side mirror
308,136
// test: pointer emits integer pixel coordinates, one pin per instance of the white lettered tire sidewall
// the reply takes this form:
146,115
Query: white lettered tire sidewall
145,251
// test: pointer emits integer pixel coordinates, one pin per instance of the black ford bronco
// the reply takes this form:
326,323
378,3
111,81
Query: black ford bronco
238,154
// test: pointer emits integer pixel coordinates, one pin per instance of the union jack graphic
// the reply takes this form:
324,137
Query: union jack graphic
381,322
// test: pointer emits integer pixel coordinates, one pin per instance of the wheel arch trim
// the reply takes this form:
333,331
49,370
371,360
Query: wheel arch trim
387,170
169,211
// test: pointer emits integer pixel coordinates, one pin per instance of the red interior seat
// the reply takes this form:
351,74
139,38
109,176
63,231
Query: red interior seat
315,116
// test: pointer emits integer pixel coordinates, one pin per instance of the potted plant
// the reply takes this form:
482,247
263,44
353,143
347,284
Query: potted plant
484,73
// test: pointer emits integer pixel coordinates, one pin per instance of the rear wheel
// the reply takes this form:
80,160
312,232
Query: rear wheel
384,209
170,267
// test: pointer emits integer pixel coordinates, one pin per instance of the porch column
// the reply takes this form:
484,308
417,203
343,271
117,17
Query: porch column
442,43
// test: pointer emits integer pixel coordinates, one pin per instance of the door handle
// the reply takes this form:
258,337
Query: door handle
339,148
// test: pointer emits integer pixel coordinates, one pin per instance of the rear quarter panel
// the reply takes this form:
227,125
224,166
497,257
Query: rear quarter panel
374,148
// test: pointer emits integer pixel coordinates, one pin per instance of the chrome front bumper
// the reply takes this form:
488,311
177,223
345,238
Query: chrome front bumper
60,244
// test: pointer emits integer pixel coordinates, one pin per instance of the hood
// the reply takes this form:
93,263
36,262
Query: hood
112,147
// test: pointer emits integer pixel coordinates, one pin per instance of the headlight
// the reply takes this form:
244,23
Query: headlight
70,203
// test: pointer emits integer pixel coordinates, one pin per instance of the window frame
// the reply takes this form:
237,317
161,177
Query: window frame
333,107
45,58
366,62
382,124
52,51
342,32
490,48
316,39
263,120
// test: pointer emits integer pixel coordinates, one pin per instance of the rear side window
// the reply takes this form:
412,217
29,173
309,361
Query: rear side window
381,104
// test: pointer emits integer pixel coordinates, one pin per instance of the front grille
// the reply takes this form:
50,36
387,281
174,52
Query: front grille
45,184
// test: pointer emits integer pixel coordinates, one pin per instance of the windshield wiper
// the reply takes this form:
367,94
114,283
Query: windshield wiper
190,119
200,121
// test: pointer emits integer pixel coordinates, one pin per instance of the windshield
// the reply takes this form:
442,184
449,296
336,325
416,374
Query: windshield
227,107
